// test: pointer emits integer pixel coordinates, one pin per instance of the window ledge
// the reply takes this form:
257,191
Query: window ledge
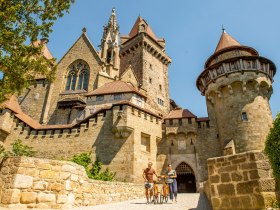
73,92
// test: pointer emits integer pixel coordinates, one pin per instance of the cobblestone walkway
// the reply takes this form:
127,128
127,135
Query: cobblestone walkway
187,201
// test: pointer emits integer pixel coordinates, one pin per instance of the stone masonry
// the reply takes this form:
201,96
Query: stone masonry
241,181
42,183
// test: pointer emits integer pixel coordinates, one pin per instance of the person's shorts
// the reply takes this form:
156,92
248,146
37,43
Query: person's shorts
149,185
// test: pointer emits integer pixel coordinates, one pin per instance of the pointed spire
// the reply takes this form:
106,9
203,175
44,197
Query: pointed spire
226,41
113,20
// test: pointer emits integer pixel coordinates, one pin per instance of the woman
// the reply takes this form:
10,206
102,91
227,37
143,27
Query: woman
172,183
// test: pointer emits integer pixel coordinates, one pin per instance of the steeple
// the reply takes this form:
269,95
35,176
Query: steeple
226,41
110,45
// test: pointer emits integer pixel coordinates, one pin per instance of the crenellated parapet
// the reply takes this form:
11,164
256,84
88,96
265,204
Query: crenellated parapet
241,65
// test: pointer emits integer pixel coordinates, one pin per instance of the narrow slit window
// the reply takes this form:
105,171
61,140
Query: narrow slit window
244,116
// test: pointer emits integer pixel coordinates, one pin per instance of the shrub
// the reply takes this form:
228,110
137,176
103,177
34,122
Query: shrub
20,149
272,147
82,159
93,172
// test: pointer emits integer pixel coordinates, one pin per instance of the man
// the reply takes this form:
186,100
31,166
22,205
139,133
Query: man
148,175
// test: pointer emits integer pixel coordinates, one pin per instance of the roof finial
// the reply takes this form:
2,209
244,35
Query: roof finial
223,29
84,30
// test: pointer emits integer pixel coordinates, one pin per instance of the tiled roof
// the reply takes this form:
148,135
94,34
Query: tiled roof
135,29
180,113
202,119
115,87
226,41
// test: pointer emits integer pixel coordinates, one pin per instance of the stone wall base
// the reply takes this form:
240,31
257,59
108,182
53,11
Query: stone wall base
241,181
42,183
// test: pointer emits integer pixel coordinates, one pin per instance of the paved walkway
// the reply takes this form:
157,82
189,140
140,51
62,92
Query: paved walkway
190,201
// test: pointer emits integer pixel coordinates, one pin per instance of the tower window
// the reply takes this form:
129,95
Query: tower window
160,87
180,122
190,120
151,66
150,80
170,122
160,102
244,116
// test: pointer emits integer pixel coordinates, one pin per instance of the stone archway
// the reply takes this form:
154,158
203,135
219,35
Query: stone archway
185,178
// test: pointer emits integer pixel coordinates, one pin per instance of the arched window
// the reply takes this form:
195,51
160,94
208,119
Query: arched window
83,80
71,80
79,70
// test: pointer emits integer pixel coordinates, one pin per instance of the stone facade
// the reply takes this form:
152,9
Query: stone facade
241,181
135,121
42,183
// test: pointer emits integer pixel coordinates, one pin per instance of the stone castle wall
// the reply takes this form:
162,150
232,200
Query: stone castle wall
42,183
34,98
113,136
241,93
241,181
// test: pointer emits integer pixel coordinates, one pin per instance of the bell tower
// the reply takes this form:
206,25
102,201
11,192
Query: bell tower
110,44
237,85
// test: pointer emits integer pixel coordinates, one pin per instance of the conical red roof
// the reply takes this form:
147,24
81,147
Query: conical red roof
226,41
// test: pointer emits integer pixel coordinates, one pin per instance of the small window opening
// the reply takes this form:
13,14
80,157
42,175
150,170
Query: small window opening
180,122
170,122
190,120
244,116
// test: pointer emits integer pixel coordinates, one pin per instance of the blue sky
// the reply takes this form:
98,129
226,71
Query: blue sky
191,30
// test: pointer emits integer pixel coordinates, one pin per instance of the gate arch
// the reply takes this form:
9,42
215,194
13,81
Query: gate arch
185,178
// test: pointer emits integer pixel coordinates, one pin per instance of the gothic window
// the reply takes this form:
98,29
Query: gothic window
78,76
83,80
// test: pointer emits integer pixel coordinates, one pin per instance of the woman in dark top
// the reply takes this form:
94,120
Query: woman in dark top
172,183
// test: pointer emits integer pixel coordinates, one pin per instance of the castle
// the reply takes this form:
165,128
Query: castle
115,104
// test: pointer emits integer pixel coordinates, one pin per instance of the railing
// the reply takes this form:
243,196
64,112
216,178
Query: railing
225,68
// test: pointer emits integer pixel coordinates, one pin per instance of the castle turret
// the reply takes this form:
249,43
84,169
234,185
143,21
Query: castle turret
237,84
110,44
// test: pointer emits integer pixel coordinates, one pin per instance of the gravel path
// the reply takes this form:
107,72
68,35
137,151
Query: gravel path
190,201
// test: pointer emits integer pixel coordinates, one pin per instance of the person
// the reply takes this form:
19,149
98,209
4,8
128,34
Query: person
148,175
172,183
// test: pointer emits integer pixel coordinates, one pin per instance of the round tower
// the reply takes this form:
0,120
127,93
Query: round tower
237,84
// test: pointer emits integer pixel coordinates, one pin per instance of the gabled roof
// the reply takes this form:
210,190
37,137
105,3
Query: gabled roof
83,35
115,87
45,50
226,41
180,113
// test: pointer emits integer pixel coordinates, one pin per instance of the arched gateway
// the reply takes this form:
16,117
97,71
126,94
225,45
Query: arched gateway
185,178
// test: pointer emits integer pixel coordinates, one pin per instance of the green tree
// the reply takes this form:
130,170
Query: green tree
22,22
272,147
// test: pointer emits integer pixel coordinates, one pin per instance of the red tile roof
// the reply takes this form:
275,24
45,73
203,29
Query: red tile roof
226,41
180,113
115,87
202,119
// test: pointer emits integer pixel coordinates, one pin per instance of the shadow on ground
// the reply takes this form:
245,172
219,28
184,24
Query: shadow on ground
203,203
